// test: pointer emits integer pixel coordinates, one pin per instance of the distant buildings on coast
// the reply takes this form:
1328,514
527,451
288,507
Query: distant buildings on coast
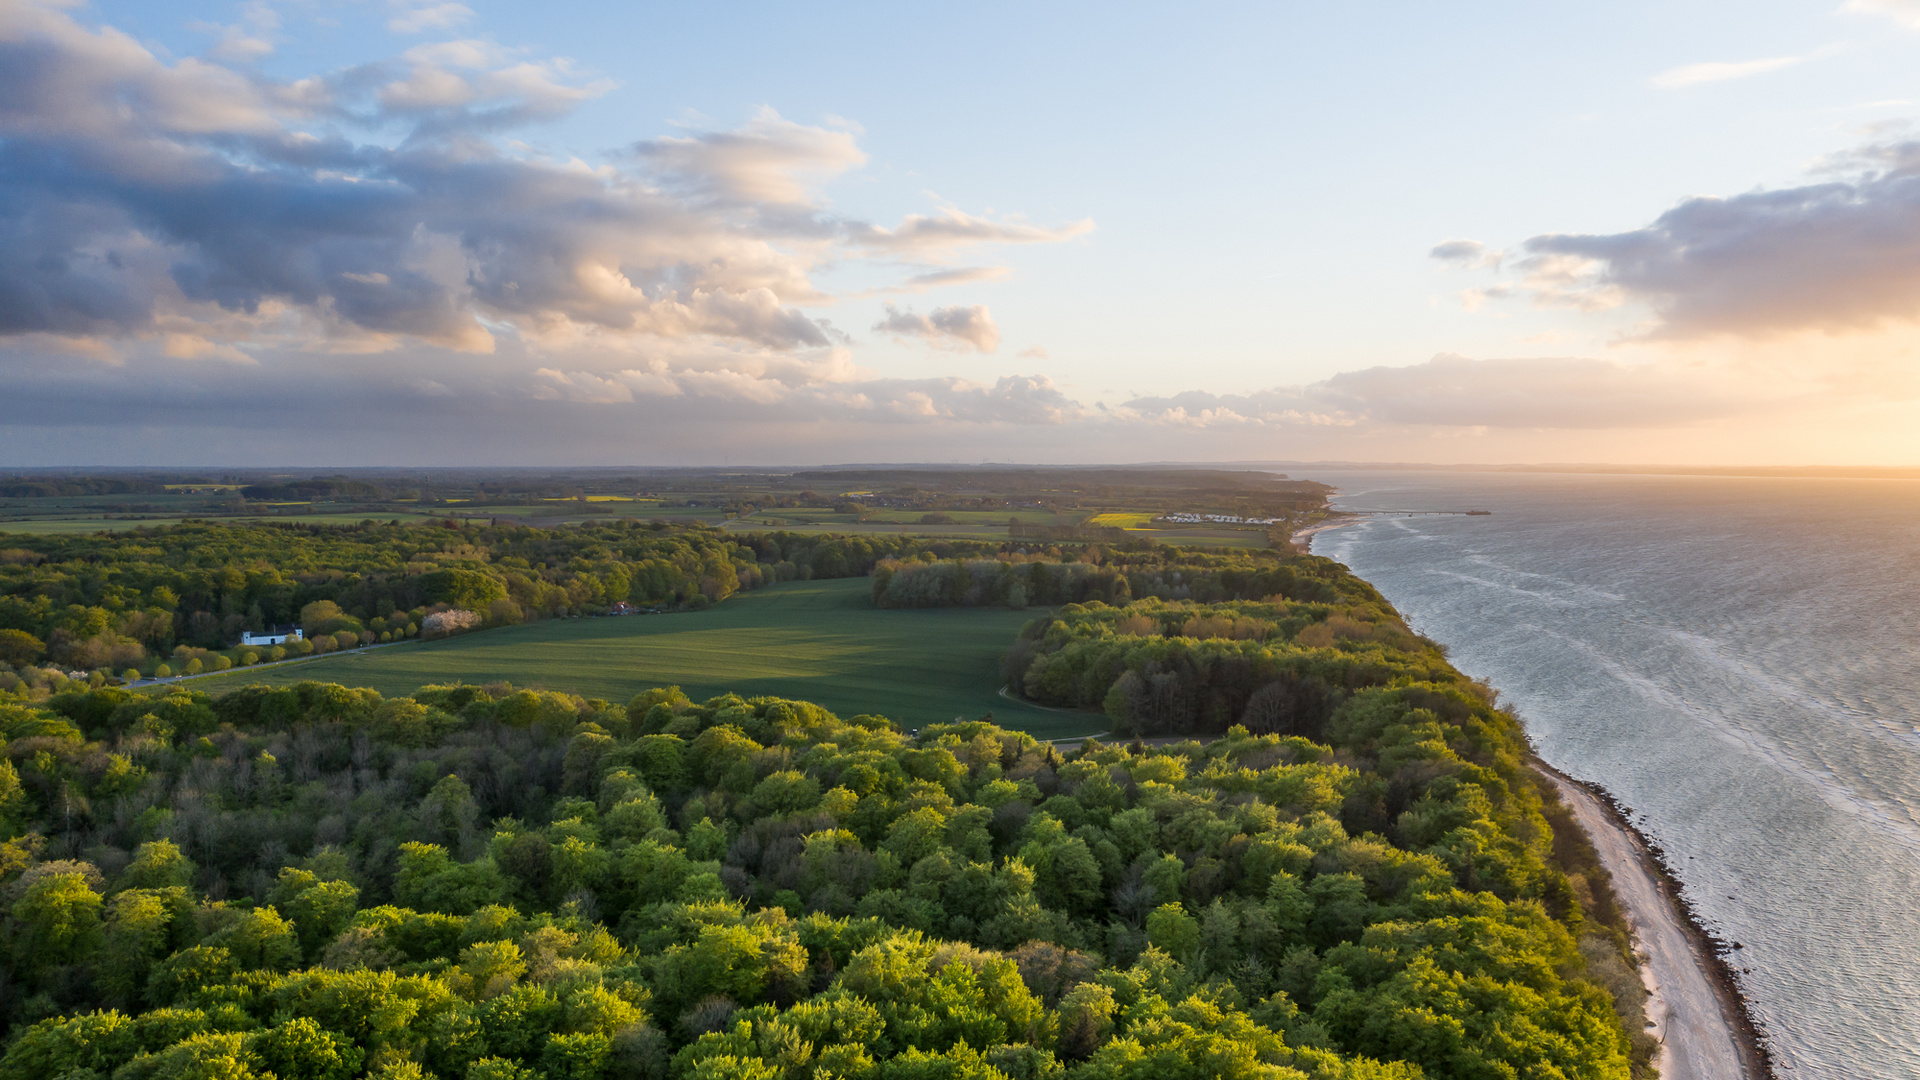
1218,519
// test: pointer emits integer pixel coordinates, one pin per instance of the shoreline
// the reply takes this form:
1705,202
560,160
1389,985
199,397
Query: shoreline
1303,538
1701,1018
1695,1007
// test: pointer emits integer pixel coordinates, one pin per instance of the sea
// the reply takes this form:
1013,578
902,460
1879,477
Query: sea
1737,660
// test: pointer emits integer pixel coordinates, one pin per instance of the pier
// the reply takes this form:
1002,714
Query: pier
1415,513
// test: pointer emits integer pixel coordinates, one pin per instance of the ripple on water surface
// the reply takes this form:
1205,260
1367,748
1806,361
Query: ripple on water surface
1736,659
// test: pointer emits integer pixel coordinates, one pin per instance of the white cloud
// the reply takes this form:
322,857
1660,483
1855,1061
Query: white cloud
952,327
1695,74
770,159
144,197
1451,392
581,386
927,281
953,228
1905,12
412,18
1840,255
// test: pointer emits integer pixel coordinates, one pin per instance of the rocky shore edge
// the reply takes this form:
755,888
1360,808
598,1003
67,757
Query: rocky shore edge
1712,953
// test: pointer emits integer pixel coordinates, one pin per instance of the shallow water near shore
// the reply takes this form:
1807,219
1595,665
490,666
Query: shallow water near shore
1738,661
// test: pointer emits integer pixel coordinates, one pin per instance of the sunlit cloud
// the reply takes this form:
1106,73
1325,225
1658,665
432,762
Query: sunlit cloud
950,327
929,280
769,160
1456,391
1842,255
953,228
1695,74
1905,12
150,201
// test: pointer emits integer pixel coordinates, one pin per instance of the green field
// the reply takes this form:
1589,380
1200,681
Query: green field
79,524
818,641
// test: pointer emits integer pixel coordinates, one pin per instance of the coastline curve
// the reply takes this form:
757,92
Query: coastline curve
1705,1028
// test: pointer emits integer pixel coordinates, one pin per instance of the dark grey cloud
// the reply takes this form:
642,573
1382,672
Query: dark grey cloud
1838,255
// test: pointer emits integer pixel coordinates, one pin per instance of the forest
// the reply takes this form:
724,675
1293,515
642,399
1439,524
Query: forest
485,882
1170,641
1276,666
1020,577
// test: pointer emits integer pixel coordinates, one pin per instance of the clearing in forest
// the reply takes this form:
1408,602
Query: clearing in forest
820,641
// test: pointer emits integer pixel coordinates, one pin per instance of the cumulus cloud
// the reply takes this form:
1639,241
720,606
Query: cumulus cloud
947,327
154,207
770,159
1833,256
219,254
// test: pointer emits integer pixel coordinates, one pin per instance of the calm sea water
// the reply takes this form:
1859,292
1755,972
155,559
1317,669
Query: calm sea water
1738,660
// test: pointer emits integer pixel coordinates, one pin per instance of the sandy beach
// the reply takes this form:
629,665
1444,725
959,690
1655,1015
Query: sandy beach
1695,1007
1302,538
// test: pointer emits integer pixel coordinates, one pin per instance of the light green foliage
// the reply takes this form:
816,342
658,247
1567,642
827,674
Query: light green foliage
58,917
320,909
1169,927
431,879
543,885
301,1049
259,940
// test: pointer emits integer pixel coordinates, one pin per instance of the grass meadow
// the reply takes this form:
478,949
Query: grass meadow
820,641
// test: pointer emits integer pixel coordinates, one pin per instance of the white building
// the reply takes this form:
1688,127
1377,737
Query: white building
279,635
1223,519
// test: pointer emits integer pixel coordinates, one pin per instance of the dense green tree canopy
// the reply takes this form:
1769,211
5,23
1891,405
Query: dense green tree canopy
1355,876
482,881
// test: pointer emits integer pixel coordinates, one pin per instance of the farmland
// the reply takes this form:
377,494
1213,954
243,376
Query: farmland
816,640
945,503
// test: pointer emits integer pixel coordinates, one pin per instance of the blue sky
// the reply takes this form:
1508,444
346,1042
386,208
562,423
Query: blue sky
1163,232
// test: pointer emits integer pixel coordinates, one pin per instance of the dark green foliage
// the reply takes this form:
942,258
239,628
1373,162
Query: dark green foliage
1276,666
1113,575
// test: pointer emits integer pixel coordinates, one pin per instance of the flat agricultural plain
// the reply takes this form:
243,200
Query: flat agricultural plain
820,641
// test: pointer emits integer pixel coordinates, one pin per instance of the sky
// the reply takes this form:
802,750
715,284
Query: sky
427,232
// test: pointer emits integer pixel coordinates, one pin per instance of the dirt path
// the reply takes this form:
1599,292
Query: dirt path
1701,1024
